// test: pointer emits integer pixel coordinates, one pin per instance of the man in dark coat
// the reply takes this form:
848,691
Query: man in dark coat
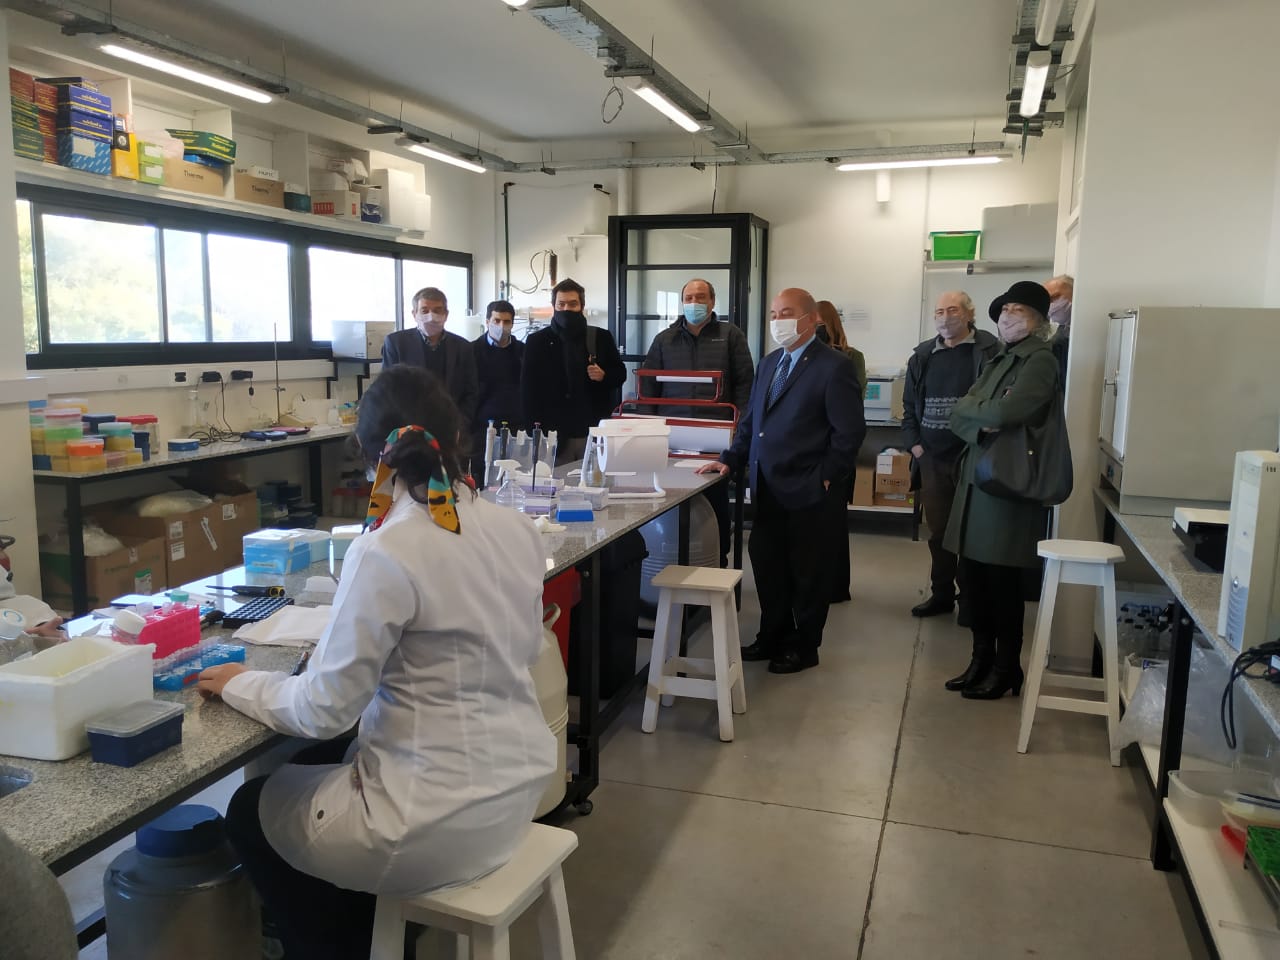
572,373
499,357
939,372
429,345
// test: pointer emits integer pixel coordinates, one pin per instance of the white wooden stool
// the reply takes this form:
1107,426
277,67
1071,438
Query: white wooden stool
480,914
1092,564
699,587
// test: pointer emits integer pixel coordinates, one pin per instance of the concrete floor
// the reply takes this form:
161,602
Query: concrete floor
864,812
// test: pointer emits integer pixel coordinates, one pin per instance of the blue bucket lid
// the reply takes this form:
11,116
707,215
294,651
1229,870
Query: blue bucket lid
186,831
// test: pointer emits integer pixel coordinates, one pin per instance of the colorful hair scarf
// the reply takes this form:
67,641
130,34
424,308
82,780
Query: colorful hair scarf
440,499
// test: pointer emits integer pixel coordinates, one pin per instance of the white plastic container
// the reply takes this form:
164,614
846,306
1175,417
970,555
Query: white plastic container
343,537
319,543
1199,794
46,699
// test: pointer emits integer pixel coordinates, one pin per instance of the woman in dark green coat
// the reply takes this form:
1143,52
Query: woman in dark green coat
996,538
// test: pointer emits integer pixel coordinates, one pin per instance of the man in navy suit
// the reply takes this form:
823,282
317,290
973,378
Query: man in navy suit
798,437
447,355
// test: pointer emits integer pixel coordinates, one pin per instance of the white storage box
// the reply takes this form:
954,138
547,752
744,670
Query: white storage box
318,540
46,700
343,537
1199,794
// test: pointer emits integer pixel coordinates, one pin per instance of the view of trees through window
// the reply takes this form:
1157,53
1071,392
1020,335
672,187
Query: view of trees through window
118,279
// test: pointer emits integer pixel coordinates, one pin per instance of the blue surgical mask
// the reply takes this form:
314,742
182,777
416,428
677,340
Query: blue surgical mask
695,313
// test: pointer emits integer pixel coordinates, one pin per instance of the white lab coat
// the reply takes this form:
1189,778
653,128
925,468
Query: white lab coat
429,646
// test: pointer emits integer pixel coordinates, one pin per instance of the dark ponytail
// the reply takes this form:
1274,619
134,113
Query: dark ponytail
410,396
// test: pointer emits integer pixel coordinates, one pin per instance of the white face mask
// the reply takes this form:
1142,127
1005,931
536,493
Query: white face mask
497,332
1013,327
784,331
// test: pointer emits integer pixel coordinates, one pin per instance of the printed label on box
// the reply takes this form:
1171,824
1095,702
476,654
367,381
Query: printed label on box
175,531
177,551
228,511
84,147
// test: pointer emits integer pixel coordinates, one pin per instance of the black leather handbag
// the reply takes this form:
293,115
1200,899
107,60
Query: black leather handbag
1031,464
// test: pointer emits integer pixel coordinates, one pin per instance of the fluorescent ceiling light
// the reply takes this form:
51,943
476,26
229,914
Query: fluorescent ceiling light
910,164
1034,78
186,73
1046,21
446,158
664,106
515,3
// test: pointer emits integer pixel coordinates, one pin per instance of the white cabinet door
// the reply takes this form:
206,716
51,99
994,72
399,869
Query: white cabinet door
1115,381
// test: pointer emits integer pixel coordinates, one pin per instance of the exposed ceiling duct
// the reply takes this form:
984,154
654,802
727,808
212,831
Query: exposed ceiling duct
1042,32
594,35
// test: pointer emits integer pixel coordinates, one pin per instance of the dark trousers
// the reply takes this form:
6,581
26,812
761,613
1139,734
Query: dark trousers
937,493
841,495
995,595
718,496
316,920
791,575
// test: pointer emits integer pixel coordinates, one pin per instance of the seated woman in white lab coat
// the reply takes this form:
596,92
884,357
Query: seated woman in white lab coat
435,626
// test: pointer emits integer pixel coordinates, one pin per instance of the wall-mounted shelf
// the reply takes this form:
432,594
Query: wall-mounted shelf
988,266
40,174
576,239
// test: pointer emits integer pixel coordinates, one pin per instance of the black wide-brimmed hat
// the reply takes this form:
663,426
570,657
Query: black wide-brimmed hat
1027,292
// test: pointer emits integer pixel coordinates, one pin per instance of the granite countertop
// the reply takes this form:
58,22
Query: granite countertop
72,803
1197,588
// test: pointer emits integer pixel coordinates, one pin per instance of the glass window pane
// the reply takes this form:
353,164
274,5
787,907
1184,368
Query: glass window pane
452,280
184,286
653,303
249,289
680,245
102,281
350,286
27,276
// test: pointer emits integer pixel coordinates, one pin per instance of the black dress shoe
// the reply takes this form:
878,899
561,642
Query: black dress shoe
843,598
793,661
760,650
995,685
932,607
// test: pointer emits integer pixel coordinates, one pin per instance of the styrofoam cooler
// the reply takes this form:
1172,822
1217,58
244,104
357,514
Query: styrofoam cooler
552,686
46,699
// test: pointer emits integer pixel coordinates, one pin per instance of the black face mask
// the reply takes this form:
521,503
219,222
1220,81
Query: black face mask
571,322
821,334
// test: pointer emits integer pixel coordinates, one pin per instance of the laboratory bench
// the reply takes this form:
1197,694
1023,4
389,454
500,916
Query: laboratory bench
72,484
1234,915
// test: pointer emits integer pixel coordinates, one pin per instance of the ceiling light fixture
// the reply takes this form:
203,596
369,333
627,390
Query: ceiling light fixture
912,164
1047,21
651,96
515,3
1034,78
445,157
186,73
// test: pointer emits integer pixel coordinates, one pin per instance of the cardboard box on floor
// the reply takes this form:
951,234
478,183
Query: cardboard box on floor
198,543
893,473
894,500
137,567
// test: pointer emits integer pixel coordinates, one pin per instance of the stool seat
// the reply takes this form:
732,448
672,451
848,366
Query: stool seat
676,577
1080,551
678,587
480,913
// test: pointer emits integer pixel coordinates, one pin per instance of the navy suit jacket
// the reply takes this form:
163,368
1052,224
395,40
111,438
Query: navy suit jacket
407,346
810,434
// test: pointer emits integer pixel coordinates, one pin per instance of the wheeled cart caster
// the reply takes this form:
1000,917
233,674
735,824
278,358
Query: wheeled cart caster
585,807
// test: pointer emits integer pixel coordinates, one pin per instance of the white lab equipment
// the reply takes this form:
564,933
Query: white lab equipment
1250,610
632,445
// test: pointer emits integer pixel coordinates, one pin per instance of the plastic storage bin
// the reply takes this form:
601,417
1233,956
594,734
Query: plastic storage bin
1199,794
45,700
127,736
278,552
171,632
955,244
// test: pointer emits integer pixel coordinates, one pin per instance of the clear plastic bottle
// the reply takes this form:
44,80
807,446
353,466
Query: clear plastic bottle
510,494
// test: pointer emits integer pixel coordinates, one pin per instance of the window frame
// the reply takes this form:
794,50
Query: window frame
299,237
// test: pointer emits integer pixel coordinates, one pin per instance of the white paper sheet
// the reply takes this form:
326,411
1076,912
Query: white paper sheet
288,627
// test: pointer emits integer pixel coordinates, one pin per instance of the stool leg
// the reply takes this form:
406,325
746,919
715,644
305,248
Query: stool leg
388,931
490,943
1039,651
739,691
675,627
553,920
461,947
1110,665
720,653
657,663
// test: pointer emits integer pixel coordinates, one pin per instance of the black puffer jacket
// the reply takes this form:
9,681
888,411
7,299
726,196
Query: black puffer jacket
719,346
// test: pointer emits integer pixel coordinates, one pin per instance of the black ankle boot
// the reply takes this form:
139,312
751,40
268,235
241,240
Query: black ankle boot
995,684
980,664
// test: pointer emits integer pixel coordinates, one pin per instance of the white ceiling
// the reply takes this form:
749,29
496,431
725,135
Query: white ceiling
768,65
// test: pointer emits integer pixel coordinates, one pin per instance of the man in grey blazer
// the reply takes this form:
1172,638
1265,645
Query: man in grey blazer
429,345
798,437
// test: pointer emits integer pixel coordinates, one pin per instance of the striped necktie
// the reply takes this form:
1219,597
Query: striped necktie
779,378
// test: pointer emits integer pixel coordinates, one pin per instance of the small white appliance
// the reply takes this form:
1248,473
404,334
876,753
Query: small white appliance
1250,610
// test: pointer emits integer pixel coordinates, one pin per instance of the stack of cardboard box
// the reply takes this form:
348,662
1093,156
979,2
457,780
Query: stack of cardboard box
85,125
893,480
34,108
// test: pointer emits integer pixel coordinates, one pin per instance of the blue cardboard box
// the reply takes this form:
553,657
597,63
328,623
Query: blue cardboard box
84,153
72,119
85,99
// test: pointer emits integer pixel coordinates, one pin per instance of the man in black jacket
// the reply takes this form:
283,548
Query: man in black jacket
572,373
700,340
499,357
429,345
940,371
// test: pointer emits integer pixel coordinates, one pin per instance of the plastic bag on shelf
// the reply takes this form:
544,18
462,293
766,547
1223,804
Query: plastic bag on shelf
171,504
97,542
1143,721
